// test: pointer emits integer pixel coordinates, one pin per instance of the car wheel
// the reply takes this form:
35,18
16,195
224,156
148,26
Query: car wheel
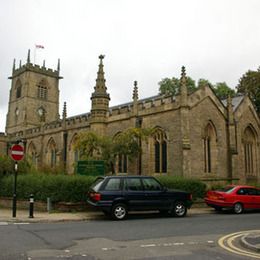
179,209
119,211
238,208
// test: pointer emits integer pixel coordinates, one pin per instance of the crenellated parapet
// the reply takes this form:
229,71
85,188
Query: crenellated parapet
37,69
144,106
28,66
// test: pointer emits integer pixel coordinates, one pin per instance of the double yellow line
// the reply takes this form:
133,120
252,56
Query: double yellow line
226,242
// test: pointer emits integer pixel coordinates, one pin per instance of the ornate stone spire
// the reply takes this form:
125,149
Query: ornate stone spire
43,65
20,64
14,65
100,98
64,112
28,56
135,92
183,79
135,98
58,66
100,81
183,87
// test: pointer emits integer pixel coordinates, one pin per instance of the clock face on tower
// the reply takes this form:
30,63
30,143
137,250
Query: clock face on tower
40,111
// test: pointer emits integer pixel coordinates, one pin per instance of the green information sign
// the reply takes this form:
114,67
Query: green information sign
90,168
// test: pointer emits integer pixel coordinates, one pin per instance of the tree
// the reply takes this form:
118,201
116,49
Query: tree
249,84
204,82
171,86
94,147
222,90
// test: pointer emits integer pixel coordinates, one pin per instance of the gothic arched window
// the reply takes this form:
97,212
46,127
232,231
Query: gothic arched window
32,153
18,89
249,140
42,90
160,152
210,148
51,153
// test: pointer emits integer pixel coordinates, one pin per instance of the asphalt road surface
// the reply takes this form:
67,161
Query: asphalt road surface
148,237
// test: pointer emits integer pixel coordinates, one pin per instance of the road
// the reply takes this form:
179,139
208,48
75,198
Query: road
140,237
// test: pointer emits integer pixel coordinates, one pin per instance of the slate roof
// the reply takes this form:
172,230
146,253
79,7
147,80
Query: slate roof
235,101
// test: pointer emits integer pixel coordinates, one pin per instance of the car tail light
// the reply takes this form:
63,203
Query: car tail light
221,197
95,196
190,197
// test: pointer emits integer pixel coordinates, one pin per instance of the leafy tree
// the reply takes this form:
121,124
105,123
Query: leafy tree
171,86
222,90
88,143
249,84
94,147
203,82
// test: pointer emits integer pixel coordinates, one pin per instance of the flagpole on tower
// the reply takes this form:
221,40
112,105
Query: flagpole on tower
36,46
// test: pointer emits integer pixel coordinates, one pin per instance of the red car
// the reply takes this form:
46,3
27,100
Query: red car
236,197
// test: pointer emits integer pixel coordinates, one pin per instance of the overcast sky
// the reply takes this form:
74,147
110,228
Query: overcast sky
143,40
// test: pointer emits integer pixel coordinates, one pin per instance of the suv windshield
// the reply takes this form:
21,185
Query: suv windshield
97,183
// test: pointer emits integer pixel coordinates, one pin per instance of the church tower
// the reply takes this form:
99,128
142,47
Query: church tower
100,102
34,96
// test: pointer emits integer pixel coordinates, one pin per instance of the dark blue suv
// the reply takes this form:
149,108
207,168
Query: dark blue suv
117,195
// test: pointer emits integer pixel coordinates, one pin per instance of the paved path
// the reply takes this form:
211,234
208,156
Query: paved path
40,216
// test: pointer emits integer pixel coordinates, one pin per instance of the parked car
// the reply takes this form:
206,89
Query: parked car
117,195
236,197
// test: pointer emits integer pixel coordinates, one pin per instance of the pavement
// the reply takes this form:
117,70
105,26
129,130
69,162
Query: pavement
54,216
250,241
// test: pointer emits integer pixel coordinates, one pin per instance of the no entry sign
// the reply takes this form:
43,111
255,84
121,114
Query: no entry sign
17,152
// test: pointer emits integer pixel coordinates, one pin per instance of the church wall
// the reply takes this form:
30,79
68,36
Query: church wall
200,115
245,116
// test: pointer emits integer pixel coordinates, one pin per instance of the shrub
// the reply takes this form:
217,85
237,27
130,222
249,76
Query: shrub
73,188
70,188
195,186
7,166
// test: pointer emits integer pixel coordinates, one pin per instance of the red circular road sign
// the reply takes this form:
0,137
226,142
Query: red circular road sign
17,152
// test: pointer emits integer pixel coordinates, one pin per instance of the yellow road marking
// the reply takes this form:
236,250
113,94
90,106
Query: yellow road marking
231,248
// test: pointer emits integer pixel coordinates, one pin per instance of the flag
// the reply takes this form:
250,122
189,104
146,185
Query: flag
37,46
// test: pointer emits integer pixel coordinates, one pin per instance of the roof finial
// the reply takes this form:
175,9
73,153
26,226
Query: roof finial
183,87
14,65
64,113
28,57
101,57
20,64
43,65
58,66
135,92
183,75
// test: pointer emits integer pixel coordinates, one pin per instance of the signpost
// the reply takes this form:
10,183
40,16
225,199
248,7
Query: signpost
17,154
91,167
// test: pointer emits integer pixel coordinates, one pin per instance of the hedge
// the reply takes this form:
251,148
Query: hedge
57,187
73,188
195,186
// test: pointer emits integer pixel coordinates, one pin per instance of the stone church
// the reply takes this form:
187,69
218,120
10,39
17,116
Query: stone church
195,134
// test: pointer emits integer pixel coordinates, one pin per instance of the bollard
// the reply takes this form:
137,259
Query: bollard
49,205
31,206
